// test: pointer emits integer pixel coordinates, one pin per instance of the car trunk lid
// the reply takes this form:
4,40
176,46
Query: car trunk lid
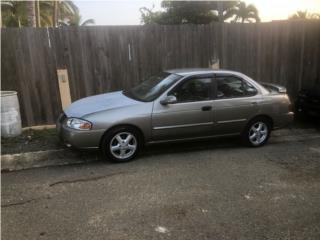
274,88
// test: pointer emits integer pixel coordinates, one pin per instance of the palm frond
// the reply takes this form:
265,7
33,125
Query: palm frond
68,8
230,13
45,19
88,22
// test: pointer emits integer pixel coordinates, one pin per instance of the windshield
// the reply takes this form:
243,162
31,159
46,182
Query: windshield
153,87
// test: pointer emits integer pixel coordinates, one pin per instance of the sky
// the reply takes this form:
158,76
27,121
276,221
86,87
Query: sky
126,12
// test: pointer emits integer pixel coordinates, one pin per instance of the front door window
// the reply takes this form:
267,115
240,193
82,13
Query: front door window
193,90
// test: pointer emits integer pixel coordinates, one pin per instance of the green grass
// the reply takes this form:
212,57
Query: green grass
31,140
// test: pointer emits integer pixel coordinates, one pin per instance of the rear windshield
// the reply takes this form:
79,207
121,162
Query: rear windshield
268,88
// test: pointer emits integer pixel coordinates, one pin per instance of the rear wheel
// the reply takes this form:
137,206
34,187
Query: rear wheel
121,144
257,132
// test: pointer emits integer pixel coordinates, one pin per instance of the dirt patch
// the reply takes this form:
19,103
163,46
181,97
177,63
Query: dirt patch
31,140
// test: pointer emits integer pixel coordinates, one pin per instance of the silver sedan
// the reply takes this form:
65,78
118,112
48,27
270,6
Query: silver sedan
176,105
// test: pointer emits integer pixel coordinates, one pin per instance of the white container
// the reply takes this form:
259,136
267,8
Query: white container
10,114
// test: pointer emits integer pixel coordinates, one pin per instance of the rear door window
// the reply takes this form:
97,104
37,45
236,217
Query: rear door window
233,87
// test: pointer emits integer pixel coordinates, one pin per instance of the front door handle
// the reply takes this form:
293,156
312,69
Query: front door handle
206,108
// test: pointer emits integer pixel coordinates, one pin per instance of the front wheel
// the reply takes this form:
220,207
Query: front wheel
121,144
257,132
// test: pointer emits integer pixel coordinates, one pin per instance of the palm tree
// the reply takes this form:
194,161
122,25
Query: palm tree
15,13
54,12
225,9
245,13
65,10
305,15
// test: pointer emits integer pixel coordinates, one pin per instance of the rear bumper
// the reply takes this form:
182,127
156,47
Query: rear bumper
283,120
79,139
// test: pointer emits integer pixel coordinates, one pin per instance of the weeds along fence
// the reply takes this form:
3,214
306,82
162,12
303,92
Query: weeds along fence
106,58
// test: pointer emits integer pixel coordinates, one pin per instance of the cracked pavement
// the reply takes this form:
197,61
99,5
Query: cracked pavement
213,189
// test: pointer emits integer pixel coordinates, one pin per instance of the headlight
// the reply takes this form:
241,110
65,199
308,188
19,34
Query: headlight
79,124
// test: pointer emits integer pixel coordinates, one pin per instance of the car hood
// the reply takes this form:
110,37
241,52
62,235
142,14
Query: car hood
98,103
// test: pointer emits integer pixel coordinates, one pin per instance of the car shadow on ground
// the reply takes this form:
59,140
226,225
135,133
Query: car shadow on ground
179,147
192,146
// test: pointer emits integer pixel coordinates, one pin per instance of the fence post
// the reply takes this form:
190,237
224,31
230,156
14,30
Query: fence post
64,87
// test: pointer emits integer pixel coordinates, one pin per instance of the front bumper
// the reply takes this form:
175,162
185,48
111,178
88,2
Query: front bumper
77,138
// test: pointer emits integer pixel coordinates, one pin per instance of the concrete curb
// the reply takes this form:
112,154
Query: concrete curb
19,161
39,127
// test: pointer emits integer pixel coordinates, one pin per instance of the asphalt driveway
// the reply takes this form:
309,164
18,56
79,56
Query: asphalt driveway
206,190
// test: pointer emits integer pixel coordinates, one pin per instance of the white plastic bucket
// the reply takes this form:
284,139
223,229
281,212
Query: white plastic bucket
10,114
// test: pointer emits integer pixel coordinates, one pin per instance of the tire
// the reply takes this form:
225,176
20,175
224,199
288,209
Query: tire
121,144
257,132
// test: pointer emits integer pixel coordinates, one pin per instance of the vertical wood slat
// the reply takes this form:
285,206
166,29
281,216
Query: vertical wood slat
97,57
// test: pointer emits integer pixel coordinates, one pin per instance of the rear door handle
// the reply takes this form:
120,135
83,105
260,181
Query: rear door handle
206,108
254,103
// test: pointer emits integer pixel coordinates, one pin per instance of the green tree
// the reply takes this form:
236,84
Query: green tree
304,15
244,13
182,12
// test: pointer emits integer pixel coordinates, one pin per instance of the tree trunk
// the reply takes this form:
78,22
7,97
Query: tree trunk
31,13
220,11
37,5
55,14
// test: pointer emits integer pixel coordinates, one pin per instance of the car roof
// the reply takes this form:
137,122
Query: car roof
194,71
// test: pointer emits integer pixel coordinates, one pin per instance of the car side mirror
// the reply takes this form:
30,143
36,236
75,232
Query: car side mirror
251,91
169,100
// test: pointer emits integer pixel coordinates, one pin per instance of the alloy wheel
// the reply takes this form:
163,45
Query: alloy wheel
123,145
258,133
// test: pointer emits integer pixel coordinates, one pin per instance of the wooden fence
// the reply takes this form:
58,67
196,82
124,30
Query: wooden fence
106,58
